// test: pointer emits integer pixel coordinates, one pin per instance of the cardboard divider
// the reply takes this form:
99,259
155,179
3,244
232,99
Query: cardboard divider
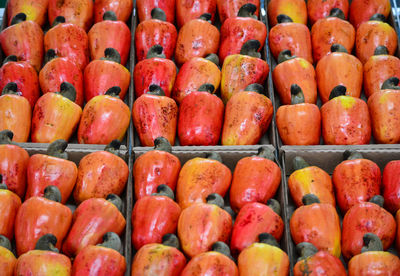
277,102
328,159
269,138
230,159
128,138
76,155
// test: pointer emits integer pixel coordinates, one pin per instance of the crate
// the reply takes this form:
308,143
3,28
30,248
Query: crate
76,155
269,138
277,103
327,158
128,98
230,158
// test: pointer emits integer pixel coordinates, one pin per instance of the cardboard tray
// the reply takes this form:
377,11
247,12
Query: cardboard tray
128,98
230,158
327,159
277,103
75,156
269,138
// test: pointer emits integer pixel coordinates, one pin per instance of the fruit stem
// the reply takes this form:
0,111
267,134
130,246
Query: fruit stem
247,10
111,240
57,149
297,94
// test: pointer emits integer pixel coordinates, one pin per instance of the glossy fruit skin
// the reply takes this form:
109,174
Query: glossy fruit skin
13,164
210,263
247,117
38,216
311,180
319,224
200,177
144,8
155,116
255,179
159,71
25,76
230,8
9,205
391,186
339,68
318,9
98,260
15,115
7,261
109,34
296,10
328,31
189,10
236,74
101,75
91,220
253,219
158,259
345,121
378,69
122,8
263,259
35,10
44,170
361,11
77,12
104,118
291,131
238,30
383,107
60,70
398,230
99,174
356,181
295,71
54,117
70,41
197,38
25,40
152,218
46,263
192,224
200,119
374,263
370,35
363,218
154,168
322,263
151,32
293,36
192,75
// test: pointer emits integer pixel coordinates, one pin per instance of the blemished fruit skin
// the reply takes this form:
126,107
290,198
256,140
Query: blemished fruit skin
317,223
25,76
158,259
40,262
295,9
195,219
153,217
77,12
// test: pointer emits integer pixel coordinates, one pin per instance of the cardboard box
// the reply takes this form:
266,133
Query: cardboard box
128,98
327,159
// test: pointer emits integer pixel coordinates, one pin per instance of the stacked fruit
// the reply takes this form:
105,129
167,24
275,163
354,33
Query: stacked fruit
47,234
344,118
367,228
201,220
242,115
65,51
